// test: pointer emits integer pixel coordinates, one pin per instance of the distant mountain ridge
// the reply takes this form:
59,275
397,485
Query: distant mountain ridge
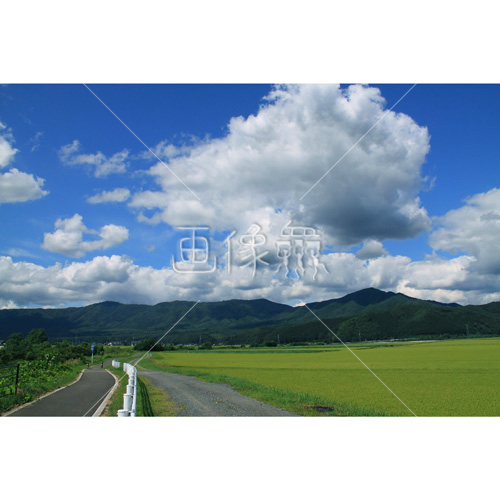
367,314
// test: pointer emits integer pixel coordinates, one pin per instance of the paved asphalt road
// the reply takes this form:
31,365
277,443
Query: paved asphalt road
205,399
80,399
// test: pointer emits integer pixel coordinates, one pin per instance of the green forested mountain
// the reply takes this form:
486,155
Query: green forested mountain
415,320
114,320
368,314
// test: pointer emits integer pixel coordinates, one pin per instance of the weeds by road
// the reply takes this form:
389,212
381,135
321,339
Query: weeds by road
151,401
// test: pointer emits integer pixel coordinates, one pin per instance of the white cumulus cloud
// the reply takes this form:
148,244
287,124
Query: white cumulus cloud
67,239
16,186
118,278
7,152
371,250
473,229
266,162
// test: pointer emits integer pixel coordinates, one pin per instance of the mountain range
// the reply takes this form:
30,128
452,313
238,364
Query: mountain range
368,314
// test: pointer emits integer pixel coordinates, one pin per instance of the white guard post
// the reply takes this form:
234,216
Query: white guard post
130,397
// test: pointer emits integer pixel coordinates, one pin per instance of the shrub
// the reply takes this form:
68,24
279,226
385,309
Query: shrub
269,343
148,345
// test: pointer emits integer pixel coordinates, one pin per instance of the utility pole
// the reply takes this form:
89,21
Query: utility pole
278,339
467,330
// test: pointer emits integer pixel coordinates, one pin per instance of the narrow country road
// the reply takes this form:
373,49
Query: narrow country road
205,399
80,399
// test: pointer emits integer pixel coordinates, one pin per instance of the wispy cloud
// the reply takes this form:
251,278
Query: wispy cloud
102,164
36,141
117,195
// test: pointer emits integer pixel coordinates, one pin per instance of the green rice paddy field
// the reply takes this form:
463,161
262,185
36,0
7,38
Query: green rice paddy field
446,378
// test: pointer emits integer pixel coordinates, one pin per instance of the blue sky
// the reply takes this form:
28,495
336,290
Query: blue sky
63,113
392,214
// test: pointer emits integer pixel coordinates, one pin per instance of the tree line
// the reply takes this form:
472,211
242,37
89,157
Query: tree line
36,345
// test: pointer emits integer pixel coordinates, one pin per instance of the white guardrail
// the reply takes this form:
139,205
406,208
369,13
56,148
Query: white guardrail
130,397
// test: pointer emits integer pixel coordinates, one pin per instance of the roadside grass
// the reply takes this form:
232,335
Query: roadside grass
116,401
161,404
144,408
151,401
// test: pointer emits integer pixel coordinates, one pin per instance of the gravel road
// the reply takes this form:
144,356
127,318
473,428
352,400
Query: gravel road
205,399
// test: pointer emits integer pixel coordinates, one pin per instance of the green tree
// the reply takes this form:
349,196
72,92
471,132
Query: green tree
148,345
206,345
84,349
270,343
38,343
16,347
4,356
37,336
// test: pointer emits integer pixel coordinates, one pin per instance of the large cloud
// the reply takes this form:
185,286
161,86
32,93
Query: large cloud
118,278
268,161
67,239
473,229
